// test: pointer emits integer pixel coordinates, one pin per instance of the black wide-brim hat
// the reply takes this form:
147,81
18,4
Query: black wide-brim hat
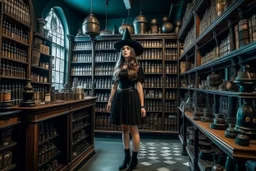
127,40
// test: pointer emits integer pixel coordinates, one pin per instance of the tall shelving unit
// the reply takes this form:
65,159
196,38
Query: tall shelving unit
214,42
160,89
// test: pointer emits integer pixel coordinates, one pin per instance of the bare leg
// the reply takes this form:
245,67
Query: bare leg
125,136
135,138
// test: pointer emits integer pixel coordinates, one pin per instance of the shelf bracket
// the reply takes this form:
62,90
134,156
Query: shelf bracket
216,41
231,36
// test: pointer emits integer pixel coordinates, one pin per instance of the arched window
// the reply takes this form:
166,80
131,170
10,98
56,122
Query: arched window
56,30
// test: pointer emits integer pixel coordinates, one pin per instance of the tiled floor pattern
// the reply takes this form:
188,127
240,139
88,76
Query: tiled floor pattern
155,155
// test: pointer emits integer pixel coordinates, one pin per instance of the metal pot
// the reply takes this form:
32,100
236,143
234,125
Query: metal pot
140,24
91,26
124,26
167,27
154,28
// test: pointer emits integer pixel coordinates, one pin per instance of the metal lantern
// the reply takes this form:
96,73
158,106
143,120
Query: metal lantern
140,24
91,25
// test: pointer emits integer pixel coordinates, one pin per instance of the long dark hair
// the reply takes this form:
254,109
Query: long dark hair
133,65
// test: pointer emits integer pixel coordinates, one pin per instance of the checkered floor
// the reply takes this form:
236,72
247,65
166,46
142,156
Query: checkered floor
162,156
154,155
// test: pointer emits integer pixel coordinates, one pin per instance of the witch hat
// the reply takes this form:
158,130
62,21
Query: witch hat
127,40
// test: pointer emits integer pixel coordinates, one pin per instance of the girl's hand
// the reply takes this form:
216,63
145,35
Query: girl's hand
108,106
143,112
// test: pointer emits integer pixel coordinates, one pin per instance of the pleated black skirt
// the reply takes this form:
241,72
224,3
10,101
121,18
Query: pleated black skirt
126,108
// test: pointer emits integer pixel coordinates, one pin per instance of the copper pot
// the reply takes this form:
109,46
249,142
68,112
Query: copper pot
126,25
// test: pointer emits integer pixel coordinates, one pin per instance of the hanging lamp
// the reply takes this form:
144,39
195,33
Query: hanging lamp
106,31
91,25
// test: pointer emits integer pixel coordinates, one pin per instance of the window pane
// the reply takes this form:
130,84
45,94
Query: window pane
62,53
54,63
61,77
57,86
57,64
57,77
58,41
58,52
53,50
62,42
62,65
54,38
53,76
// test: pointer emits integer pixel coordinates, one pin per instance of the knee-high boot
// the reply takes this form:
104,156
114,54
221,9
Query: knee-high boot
126,160
133,162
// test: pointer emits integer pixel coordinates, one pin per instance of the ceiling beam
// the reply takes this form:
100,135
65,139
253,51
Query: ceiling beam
127,4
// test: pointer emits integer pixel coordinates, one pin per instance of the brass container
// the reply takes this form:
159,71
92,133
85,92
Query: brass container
154,28
220,6
246,79
91,26
124,26
243,33
167,27
140,24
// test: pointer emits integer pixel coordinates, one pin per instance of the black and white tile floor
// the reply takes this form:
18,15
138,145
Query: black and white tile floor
154,155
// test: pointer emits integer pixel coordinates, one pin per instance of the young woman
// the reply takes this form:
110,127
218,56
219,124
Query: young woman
126,101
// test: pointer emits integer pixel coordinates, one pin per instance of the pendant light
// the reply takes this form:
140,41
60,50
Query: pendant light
140,23
126,25
106,31
91,25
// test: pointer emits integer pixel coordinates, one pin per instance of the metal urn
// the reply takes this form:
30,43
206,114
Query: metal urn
124,26
28,96
154,27
246,80
91,26
167,27
246,122
140,24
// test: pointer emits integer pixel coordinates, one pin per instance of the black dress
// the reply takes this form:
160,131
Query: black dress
126,106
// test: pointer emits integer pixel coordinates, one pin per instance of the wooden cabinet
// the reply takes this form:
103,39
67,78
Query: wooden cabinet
10,140
214,44
58,136
159,62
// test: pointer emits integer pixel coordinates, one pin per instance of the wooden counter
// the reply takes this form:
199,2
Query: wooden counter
226,144
61,133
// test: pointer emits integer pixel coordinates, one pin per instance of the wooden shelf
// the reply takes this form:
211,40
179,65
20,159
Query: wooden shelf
153,73
156,59
101,101
81,75
189,20
73,144
219,20
152,98
14,40
171,87
85,62
224,93
11,167
79,119
225,144
35,82
102,89
171,60
102,112
15,20
191,48
190,151
47,161
169,47
141,131
49,139
12,144
107,75
170,99
153,47
42,37
14,60
153,87
171,74
14,78
170,111
80,128
41,68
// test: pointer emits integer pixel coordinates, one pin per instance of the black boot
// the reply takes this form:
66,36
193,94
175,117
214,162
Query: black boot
126,160
134,161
